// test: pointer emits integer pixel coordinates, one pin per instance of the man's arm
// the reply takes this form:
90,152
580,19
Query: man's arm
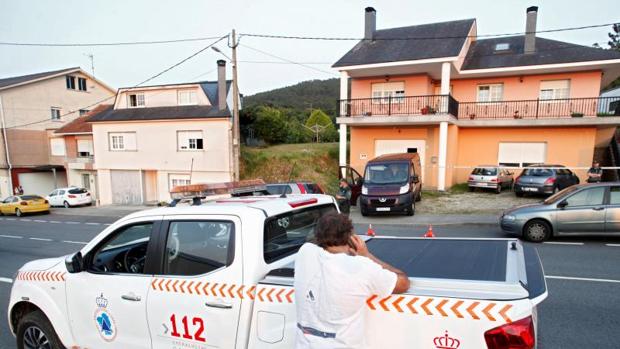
402,281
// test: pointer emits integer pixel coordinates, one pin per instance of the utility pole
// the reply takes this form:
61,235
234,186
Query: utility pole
6,149
236,133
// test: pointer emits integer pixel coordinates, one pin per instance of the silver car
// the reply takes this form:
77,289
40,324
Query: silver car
490,177
583,209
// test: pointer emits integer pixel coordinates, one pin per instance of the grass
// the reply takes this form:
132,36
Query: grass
459,188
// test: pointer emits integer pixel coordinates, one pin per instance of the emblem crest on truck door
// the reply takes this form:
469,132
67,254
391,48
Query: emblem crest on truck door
446,342
104,320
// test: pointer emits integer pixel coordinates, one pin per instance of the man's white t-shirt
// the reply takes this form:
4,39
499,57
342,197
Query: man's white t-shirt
331,290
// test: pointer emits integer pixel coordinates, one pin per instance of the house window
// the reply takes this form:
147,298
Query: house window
84,112
190,140
554,89
57,146
381,92
122,141
178,179
513,154
55,113
70,82
491,93
187,97
82,84
85,148
136,100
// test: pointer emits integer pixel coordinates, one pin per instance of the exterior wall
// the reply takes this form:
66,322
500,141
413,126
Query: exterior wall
28,148
162,96
415,85
452,156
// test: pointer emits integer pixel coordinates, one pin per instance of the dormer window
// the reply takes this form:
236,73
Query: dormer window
136,100
187,97
502,46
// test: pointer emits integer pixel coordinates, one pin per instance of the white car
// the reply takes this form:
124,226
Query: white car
67,197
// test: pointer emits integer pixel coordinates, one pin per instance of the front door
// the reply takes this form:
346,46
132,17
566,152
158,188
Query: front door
196,299
355,181
107,301
86,181
584,212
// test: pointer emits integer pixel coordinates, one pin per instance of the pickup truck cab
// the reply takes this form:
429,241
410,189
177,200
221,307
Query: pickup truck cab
219,275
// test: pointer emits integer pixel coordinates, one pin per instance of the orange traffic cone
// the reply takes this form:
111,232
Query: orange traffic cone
429,232
370,232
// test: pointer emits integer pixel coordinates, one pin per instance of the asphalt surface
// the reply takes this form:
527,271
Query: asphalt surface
583,273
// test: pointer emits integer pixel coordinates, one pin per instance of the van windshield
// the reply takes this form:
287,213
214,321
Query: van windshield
393,173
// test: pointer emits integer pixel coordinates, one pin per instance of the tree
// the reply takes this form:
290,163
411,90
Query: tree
614,44
270,125
321,126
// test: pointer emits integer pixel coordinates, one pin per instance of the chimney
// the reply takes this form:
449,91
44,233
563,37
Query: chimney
370,23
530,30
221,84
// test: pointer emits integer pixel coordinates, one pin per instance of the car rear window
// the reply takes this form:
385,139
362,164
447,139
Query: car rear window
277,189
77,191
485,171
285,233
538,172
31,197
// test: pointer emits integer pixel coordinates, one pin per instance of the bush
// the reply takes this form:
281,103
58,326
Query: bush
328,133
270,125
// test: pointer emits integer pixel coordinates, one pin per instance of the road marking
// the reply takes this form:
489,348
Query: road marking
39,221
11,219
563,243
40,239
56,222
90,223
11,236
107,224
75,242
25,219
613,245
582,279
7,280
72,223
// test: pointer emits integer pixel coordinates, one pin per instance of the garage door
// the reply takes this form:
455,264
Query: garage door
392,146
126,187
41,183
521,154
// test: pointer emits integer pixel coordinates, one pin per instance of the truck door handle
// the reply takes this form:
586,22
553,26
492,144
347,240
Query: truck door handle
218,305
131,297
598,208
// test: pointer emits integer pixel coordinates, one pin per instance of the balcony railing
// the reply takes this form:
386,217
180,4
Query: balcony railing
446,104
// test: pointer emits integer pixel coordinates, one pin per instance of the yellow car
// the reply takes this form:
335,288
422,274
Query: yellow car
21,204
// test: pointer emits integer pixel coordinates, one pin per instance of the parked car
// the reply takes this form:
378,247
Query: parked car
584,209
294,188
391,184
544,179
68,197
490,177
20,204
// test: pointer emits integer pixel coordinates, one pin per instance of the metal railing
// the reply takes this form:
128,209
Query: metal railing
397,105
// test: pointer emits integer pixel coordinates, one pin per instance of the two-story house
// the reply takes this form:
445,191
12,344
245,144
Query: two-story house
157,137
31,108
460,100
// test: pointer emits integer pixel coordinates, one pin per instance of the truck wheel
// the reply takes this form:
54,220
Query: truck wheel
34,331
66,204
18,212
411,209
536,230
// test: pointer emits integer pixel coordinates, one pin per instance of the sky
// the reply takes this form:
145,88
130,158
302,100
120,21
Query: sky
104,21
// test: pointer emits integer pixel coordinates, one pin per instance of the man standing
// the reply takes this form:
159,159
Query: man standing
595,173
344,196
333,280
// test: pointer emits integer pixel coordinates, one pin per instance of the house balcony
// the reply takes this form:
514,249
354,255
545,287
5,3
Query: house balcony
433,109
81,162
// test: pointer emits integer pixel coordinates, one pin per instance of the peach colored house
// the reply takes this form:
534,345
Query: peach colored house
157,137
461,101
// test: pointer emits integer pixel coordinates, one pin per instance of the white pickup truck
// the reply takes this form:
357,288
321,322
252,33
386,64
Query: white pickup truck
219,275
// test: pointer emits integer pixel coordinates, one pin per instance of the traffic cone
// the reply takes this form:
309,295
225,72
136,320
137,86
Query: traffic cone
429,232
370,232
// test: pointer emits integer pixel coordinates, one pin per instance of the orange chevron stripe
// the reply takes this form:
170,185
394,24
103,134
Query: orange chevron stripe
396,302
181,286
197,288
279,294
153,284
231,291
161,283
63,276
250,292
410,305
222,290
289,294
53,276
455,309
205,289
439,307
174,286
189,287
240,291
168,285
471,308
213,290
44,276
504,312
260,294
382,303
425,305
486,310
269,294
369,302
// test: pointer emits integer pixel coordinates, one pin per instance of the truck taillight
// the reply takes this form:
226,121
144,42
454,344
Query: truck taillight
516,335
300,203
550,181
71,196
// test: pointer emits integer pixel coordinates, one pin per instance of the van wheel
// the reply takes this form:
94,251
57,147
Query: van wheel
519,194
418,198
536,231
411,209
18,212
363,211
34,331
66,204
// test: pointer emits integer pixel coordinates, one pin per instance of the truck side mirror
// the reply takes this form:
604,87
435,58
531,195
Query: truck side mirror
75,263
415,179
562,204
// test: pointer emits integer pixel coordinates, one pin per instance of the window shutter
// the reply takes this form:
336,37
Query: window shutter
85,146
57,146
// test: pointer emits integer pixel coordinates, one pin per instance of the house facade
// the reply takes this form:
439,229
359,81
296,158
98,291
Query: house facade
32,107
461,101
155,138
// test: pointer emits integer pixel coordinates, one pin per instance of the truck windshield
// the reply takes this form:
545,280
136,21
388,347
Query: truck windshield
285,233
393,173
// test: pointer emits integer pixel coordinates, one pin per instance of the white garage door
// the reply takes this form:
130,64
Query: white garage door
126,187
41,183
521,154
392,146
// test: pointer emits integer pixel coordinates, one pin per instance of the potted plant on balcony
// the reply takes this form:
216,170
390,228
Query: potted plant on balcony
472,116
516,115
576,115
428,110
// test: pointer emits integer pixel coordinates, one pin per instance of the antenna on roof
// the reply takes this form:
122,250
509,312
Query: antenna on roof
92,62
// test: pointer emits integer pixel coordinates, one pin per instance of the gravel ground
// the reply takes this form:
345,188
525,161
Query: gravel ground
476,202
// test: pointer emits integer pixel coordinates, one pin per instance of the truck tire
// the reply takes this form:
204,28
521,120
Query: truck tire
536,230
411,209
35,331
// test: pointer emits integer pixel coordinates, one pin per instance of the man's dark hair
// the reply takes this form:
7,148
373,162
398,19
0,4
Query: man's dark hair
333,229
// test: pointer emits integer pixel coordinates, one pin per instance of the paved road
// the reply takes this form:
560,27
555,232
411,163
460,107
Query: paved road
584,278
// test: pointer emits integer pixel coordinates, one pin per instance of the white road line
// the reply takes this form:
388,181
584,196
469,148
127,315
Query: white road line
563,243
582,279
75,242
7,280
72,222
11,236
11,219
40,239
25,219
613,245
40,221
56,222
90,223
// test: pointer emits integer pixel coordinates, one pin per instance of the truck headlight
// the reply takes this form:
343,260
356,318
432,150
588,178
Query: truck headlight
364,190
404,189
510,217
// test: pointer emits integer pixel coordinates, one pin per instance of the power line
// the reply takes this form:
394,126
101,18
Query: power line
143,82
288,60
270,36
127,43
